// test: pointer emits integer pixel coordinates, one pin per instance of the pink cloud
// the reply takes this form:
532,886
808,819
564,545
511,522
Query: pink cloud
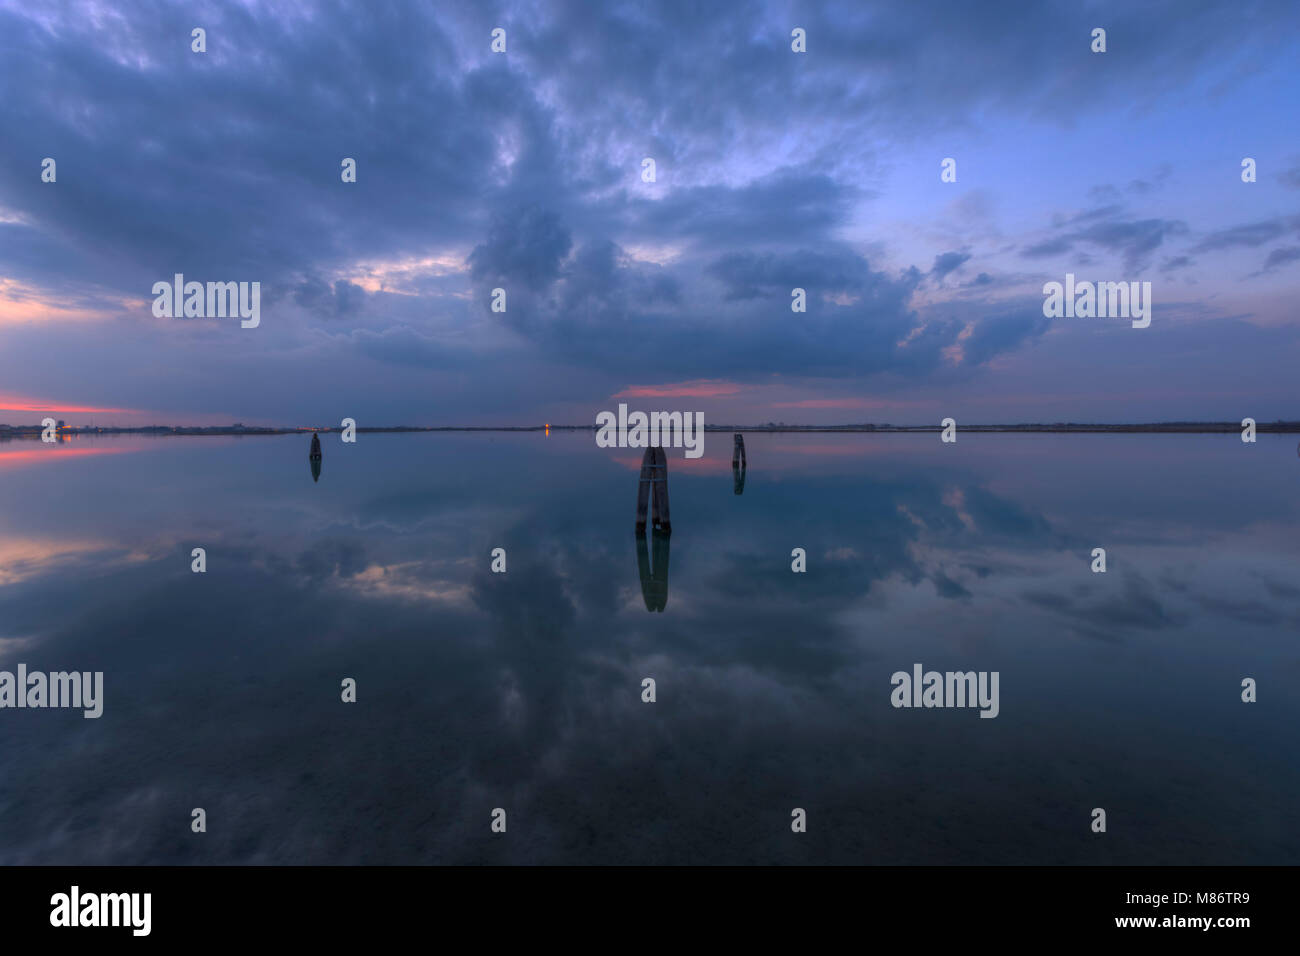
854,403
21,304
699,388
20,403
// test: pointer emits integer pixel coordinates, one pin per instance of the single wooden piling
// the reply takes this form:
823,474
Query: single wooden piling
738,451
652,492
738,478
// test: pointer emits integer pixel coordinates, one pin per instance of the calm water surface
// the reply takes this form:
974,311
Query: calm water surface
523,690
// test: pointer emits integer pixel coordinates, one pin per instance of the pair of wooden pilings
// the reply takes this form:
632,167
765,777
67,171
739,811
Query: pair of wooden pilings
652,490
652,493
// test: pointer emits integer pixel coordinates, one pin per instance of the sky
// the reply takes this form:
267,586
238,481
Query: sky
523,170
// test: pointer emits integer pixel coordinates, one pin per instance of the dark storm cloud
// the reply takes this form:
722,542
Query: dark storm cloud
602,280
229,162
525,248
733,316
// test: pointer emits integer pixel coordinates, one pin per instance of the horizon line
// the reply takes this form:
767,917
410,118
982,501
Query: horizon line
1278,425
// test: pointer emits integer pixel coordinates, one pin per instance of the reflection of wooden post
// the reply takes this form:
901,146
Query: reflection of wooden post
661,520
738,463
314,455
654,578
738,451
643,489
652,492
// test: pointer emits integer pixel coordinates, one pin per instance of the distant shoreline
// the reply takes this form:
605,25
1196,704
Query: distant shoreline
8,432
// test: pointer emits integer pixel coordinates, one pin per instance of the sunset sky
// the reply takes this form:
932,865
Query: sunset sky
774,169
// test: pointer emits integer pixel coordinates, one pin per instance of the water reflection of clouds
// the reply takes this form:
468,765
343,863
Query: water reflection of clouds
523,689
23,558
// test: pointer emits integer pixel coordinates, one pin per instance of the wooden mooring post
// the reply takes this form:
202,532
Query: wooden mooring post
738,451
652,492
314,455
738,464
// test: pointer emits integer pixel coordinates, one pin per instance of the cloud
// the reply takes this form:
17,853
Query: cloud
697,389
750,275
342,298
947,262
1281,256
403,345
478,171
1134,240
787,206
524,248
1290,177
25,403
1157,180
1047,248
1250,236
